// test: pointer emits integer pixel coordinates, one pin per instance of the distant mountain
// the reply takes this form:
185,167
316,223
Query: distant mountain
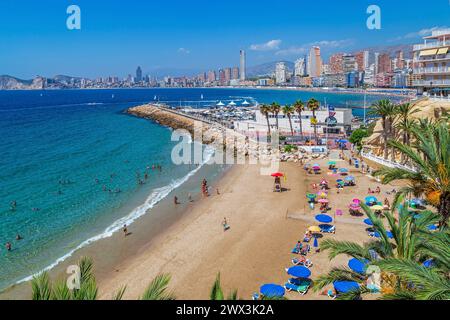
13,83
267,69
391,50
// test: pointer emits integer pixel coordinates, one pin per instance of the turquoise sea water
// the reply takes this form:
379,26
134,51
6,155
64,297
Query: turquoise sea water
62,151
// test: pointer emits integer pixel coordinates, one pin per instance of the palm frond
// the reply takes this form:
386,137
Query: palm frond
158,289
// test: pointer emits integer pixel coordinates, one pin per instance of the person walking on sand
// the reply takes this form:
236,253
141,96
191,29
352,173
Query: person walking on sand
125,230
175,200
225,225
217,191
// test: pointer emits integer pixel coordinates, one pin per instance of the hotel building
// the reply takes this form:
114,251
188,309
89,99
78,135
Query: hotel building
431,64
314,62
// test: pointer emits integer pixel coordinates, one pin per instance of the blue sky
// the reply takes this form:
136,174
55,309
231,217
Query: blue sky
117,35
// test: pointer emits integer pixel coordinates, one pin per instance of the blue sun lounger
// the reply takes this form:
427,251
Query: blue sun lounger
300,286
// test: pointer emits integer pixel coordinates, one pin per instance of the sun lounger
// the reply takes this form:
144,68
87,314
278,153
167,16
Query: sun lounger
327,228
298,262
255,296
302,288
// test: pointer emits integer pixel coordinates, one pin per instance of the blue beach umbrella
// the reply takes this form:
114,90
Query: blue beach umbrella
368,222
429,263
345,286
299,272
343,170
272,290
432,227
324,218
378,235
371,199
350,178
358,265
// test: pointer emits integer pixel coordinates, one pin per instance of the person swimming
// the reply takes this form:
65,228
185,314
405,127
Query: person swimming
19,237
8,246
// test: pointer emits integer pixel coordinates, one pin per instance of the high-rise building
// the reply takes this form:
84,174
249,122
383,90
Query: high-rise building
400,63
235,73
222,76
300,67
362,60
243,69
384,63
227,74
138,74
349,63
314,62
377,60
336,63
431,61
211,76
281,73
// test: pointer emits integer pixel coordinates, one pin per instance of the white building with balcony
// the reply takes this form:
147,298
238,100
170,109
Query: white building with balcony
431,64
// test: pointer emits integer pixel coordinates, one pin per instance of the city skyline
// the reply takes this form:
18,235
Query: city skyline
114,38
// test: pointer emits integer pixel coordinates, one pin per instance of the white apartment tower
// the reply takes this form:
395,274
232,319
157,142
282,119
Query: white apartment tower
243,69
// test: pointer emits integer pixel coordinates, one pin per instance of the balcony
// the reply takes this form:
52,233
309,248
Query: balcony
432,83
435,44
431,70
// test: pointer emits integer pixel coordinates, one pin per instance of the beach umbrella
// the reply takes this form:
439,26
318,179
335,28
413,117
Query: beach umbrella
272,290
316,168
343,170
371,199
332,163
368,222
358,265
339,212
316,165
432,227
316,242
311,196
324,218
429,263
323,201
299,272
349,178
378,235
314,229
345,286
377,207
277,175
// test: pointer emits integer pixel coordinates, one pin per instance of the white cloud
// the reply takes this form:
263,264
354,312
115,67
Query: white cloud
297,50
184,51
268,46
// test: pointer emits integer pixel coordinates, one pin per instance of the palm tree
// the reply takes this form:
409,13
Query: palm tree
288,110
314,105
299,107
385,110
217,292
405,123
44,289
430,155
265,110
410,246
275,108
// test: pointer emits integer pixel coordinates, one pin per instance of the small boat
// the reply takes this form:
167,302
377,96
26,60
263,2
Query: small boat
201,97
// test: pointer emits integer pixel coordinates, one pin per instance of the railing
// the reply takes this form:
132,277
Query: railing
435,44
432,70
387,163
431,83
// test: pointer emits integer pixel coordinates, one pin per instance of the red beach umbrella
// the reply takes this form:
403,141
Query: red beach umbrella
277,175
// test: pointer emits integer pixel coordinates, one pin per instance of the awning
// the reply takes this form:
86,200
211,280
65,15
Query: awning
428,52
443,50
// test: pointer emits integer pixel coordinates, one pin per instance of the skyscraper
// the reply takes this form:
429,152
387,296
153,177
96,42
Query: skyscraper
281,73
384,63
300,67
243,66
314,62
138,74
400,60
235,73
349,63
377,60
366,60
227,74
336,63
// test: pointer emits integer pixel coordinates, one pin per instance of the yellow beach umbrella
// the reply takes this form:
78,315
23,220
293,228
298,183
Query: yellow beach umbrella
314,229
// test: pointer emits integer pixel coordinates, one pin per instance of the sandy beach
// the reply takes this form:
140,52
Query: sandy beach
265,226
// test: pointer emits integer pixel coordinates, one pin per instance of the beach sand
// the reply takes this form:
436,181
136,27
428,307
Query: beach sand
265,226
189,242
